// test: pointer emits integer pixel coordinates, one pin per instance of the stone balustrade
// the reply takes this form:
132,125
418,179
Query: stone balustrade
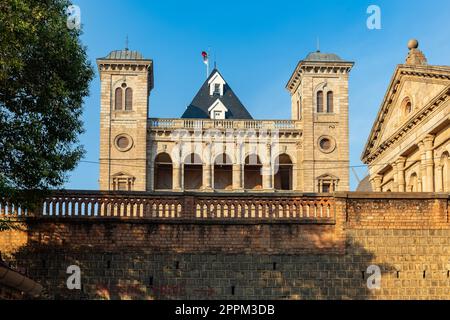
204,124
170,206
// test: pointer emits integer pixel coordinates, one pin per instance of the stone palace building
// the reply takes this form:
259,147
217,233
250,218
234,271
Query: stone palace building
409,145
216,144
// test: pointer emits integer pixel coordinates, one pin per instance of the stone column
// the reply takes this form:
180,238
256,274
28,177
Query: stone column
237,168
176,174
439,178
207,172
151,177
401,174
207,176
421,185
237,176
377,182
267,170
395,174
428,142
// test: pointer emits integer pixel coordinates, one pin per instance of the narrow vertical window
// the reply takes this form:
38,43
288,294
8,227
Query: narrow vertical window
299,116
320,101
330,108
118,99
129,99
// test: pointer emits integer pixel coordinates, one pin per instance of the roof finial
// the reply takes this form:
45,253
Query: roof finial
318,44
126,43
413,44
415,56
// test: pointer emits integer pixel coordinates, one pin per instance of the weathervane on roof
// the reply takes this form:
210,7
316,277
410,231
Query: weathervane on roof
126,43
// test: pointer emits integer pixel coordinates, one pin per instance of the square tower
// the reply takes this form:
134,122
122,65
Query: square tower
126,79
319,97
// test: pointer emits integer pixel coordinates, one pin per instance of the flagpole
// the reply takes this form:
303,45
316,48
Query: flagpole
207,65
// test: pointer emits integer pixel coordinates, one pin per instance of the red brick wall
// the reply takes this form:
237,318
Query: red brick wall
406,235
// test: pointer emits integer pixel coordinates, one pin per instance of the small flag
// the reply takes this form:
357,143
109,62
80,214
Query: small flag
205,57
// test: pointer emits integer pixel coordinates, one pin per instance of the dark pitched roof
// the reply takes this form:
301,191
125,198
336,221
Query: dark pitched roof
203,100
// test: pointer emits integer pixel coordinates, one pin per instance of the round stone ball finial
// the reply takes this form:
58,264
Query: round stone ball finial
413,44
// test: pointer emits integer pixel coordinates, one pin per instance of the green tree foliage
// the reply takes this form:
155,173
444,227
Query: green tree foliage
44,77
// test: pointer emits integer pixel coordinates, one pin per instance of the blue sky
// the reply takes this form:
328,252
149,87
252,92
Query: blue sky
257,45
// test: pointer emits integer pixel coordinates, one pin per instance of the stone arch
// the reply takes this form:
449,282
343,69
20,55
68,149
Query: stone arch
223,172
128,99
406,107
283,169
193,171
330,101
163,171
252,172
118,98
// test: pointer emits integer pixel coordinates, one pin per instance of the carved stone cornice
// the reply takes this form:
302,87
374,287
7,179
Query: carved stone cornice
322,68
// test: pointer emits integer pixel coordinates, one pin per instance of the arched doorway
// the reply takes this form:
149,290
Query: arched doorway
252,172
163,172
283,175
223,172
193,172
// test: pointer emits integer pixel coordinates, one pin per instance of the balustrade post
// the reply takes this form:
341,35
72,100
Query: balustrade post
188,211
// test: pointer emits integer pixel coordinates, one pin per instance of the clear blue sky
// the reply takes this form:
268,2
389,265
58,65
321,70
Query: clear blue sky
257,45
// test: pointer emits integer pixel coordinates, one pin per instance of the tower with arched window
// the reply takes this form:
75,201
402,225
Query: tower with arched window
319,85
126,79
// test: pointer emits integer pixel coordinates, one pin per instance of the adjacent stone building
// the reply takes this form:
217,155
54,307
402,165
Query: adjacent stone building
216,144
409,145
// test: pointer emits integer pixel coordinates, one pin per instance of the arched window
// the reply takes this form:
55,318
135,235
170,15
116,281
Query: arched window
330,108
129,99
163,172
118,99
283,175
320,101
193,172
408,107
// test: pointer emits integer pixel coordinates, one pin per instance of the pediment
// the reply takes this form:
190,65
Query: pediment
418,94
420,86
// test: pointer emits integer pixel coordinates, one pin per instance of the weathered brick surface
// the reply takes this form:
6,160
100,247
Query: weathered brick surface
409,239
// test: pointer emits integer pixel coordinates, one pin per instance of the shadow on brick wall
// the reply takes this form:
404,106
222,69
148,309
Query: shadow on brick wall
141,274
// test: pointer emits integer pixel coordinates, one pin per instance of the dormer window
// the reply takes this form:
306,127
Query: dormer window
217,110
217,88
216,84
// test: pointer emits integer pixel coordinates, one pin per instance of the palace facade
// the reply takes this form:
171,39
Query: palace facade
409,145
216,144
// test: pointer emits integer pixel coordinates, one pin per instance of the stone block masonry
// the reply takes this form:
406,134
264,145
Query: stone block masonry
280,246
